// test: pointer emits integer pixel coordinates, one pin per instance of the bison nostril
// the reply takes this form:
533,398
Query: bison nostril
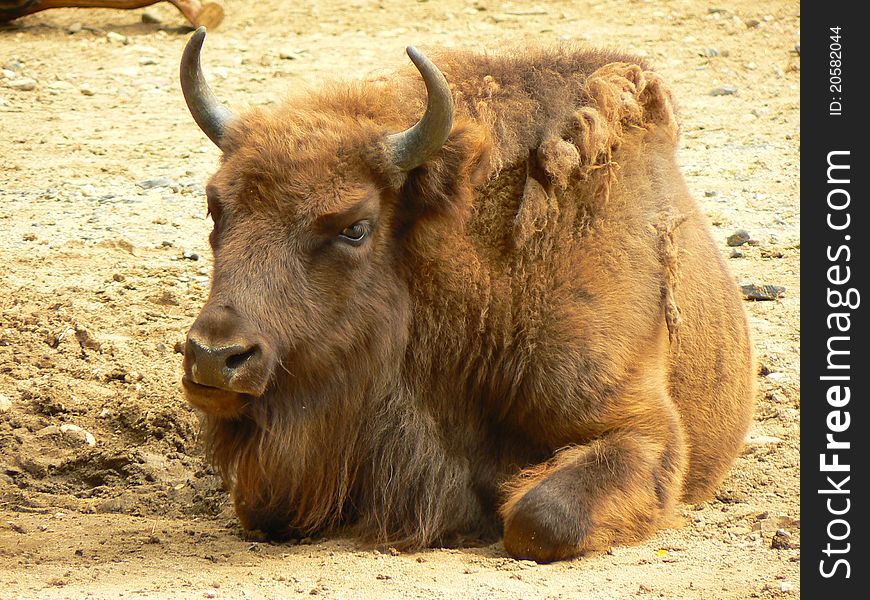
237,360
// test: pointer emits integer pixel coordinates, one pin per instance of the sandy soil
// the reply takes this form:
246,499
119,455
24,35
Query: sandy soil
104,263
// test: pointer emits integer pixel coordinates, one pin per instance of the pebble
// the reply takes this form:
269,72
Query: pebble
117,38
735,253
155,182
178,348
781,540
7,74
752,23
290,54
756,439
86,90
712,52
5,403
24,84
86,339
47,431
710,193
60,85
74,28
738,238
725,90
190,255
78,435
752,291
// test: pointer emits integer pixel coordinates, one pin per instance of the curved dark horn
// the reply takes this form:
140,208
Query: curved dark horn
412,147
211,116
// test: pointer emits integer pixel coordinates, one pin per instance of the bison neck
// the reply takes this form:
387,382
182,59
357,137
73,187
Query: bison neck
376,465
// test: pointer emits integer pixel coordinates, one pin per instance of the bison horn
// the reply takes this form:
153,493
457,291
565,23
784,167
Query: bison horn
412,147
211,116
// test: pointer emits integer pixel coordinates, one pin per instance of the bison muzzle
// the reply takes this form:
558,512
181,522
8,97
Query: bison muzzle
505,317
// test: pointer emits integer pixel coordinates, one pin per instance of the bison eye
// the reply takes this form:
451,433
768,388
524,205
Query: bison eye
356,233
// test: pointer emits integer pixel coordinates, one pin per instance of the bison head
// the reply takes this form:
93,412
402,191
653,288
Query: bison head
308,299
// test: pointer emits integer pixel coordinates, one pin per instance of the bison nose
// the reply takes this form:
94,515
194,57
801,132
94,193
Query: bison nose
219,366
217,355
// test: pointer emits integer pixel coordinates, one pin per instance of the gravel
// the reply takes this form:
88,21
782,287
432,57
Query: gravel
738,238
22,84
725,90
761,292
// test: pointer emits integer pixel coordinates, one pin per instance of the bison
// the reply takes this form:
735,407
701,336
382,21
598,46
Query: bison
506,318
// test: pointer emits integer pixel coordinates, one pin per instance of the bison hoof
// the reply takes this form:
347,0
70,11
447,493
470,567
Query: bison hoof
544,528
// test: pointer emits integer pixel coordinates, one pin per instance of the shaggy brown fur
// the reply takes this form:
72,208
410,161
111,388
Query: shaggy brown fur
500,355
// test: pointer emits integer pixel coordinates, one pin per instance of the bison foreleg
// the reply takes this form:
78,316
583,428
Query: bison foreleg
618,488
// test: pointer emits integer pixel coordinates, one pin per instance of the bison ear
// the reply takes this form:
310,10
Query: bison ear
444,182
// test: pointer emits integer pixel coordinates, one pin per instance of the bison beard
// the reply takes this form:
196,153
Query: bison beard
508,319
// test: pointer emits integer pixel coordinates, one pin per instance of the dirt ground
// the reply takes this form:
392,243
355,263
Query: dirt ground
104,263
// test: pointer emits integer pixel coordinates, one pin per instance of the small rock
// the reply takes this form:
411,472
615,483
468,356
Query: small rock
147,60
786,588
290,54
118,277
74,28
712,52
155,182
86,340
781,540
77,435
710,193
48,431
190,255
754,440
13,65
735,253
150,18
178,348
5,403
117,38
60,85
7,74
738,238
725,90
120,504
752,23
211,594
86,90
797,48
24,84
752,291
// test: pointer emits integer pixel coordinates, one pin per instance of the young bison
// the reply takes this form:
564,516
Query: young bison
509,318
